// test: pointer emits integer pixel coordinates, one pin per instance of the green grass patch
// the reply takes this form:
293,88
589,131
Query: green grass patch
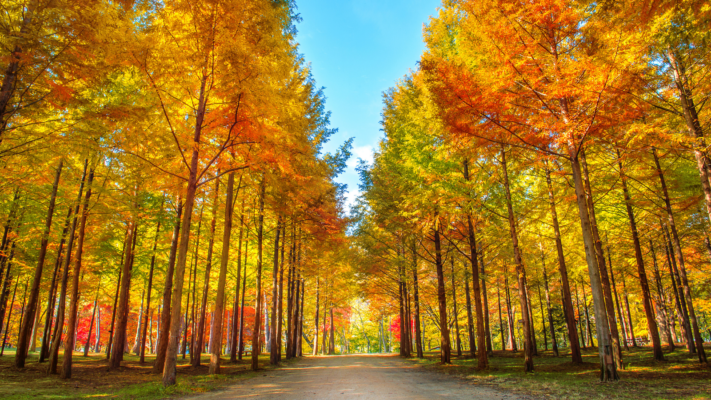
680,376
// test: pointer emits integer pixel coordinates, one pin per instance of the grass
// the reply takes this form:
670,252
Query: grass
91,380
680,376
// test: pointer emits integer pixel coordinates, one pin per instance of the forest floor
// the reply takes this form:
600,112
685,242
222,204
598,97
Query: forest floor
680,376
90,379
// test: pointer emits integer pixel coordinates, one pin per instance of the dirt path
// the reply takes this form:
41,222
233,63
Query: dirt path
360,377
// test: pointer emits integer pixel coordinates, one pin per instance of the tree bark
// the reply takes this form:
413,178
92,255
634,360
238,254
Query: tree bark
257,330
56,339
116,296
520,271
52,298
164,324
549,310
416,293
661,296
608,369
91,324
456,313
604,278
629,313
482,356
235,308
22,340
241,309
197,348
274,350
617,300
646,296
220,300
575,353
150,286
445,350
119,339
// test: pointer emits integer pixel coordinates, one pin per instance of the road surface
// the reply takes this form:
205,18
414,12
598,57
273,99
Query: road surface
355,377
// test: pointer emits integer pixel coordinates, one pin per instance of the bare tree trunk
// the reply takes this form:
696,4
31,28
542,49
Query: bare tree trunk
222,280
257,330
416,293
56,339
318,281
617,300
608,369
482,356
119,339
52,298
548,308
575,353
150,286
116,296
520,271
241,308
445,350
29,319
629,314
485,306
91,324
456,313
646,296
680,301
169,371
662,311
137,339
164,331
602,268
274,350
675,235
197,348
235,307
501,322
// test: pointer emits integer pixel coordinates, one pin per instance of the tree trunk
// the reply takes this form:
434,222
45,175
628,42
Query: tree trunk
501,322
416,293
482,356
91,324
137,340
675,235
197,348
274,350
617,300
485,306
29,319
520,271
608,369
456,313
74,304
680,300
549,310
646,296
318,280
116,296
12,303
150,286
445,350
662,300
56,339
575,353
241,308
629,313
52,298
216,336
164,331
119,339
602,268
543,319
169,371
257,330
470,320
235,307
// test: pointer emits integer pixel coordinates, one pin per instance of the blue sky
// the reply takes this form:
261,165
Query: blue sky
357,50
